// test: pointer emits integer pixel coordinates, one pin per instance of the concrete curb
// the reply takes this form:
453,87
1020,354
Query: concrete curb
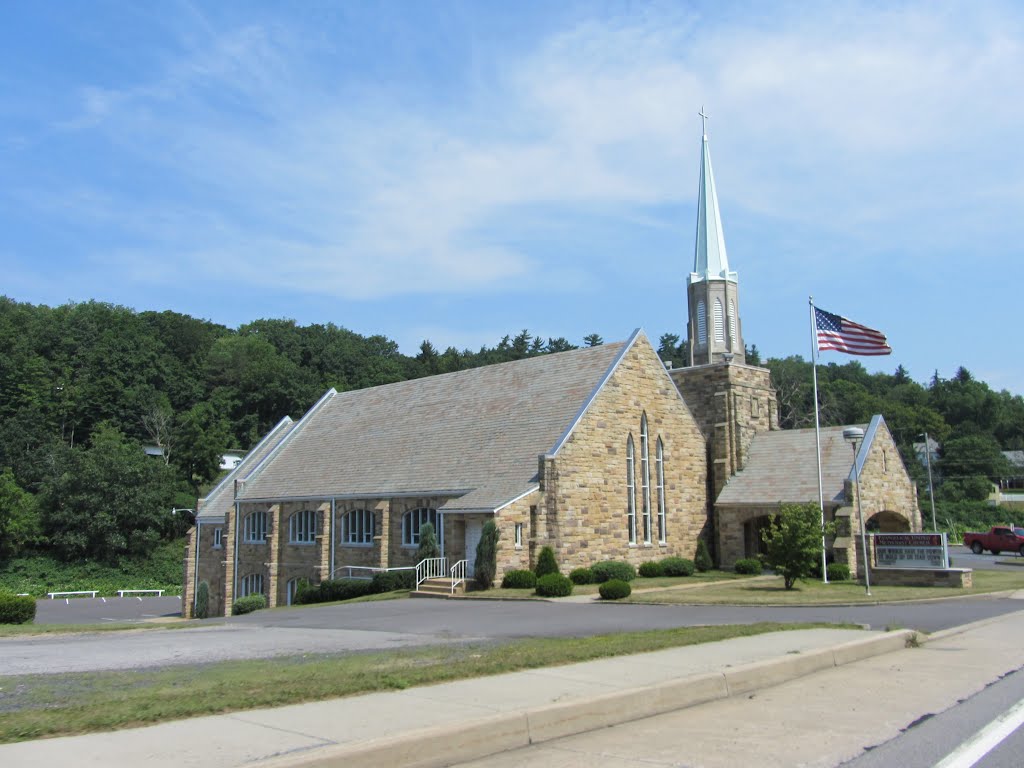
474,739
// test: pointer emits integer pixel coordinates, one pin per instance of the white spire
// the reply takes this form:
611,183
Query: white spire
710,259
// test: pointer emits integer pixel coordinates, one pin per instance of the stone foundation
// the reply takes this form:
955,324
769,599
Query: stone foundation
957,578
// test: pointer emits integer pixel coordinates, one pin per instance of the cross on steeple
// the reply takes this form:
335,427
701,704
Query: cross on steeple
703,120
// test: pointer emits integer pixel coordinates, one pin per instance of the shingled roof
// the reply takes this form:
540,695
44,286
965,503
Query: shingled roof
221,499
781,467
473,434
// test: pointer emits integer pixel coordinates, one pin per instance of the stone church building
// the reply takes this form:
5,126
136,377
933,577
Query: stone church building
600,453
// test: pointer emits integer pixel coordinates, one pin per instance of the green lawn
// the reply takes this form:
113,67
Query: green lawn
697,579
771,591
52,705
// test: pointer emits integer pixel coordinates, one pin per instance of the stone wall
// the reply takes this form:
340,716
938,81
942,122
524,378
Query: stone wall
583,510
309,561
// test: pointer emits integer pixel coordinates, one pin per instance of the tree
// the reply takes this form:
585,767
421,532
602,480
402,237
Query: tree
593,340
969,465
202,436
428,543
158,421
19,518
487,555
106,501
793,541
702,559
546,562
753,355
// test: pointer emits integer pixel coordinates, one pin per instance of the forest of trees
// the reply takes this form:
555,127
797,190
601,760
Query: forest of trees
84,386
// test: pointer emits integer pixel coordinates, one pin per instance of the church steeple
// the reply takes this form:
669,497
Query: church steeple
713,290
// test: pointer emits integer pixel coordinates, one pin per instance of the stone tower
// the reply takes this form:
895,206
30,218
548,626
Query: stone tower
730,400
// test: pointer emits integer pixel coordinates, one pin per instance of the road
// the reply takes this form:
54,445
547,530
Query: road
403,623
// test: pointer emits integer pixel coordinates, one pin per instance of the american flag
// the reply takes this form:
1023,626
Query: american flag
842,335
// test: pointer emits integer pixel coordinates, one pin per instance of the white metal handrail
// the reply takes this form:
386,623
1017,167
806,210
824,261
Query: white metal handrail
458,574
431,568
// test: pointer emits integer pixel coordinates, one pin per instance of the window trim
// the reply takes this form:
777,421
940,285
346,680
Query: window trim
411,534
702,323
254,527
659,458
361,534
719,321
302,528
630,491
519,536
645,481
218,538
247,583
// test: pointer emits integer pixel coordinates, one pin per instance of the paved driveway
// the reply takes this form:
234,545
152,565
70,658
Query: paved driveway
404,623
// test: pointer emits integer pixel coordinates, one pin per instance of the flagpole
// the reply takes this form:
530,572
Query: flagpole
817,436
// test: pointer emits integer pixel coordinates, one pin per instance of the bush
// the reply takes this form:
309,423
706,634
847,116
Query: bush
202,600
248,604
838,572
344,589
702,560
651,570
554,585
519,580
749,566
613,569
428,543
677,566
16,610
546,562
615,589
487,556
392,581
582,576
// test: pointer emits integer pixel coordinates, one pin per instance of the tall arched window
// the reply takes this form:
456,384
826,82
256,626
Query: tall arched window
413,520
254,528
732,321
659,465
302,527
630,491
357,528
251,585
645,479
702,323
719,321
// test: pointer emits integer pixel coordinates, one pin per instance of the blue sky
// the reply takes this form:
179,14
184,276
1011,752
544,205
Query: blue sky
459,171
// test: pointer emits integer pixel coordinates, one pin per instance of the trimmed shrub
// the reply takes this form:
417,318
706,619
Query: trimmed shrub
749,566
344,589
16,610
248,604
838,572
582,576
519,580
702,560
554,585
546,562
613,569
202,600
615,589
650,570
392,581
428,543
677,566
487,556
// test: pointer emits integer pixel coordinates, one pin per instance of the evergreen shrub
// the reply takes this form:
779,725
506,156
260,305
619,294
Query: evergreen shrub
677,566
613,569
582,576
202,600
248,604
651,570
487,556
16,610
838,572
615,589
702,560
748,566
554,585
546,562
344,589
519,580
392,581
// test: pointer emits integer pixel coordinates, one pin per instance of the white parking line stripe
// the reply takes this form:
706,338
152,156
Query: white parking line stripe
985,740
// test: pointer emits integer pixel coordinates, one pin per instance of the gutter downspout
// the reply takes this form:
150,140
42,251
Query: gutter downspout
334,509
195,575
234,574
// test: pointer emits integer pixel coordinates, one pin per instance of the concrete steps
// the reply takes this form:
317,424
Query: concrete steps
440,587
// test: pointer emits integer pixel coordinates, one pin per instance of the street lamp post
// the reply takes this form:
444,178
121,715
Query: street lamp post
854,435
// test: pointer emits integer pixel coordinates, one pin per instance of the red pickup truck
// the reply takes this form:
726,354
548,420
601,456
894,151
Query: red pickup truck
1002,538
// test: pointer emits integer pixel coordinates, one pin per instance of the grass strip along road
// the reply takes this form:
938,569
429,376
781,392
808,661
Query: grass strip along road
37,706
